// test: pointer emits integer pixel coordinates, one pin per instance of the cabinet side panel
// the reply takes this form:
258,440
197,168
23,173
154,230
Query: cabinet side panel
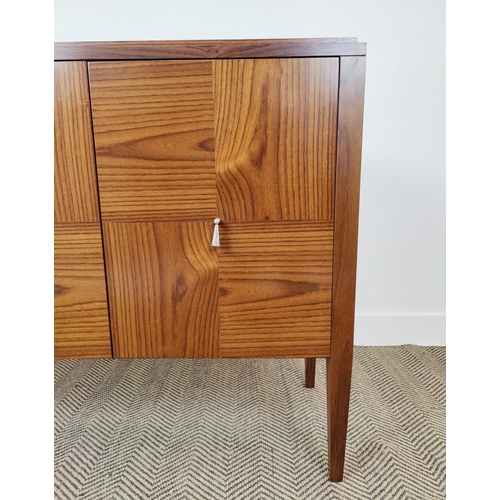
275,129
154,137
163,289
75,183
275,288
81,324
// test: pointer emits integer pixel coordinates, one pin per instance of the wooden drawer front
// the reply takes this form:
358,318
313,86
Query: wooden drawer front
154,137
163,289
275,289
275,135
81,324
75,183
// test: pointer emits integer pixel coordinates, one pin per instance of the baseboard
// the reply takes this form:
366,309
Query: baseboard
400,329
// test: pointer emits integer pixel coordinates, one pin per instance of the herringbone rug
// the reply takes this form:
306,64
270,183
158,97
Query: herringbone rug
248,429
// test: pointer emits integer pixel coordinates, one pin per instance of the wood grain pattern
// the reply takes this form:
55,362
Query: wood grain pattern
154,136
208,49
275,126
75,183
275,289
163,289
81,324
339,365
310,365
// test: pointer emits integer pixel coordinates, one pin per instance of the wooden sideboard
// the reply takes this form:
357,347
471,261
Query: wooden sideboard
161,145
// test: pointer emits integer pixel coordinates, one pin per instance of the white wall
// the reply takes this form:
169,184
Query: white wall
401,262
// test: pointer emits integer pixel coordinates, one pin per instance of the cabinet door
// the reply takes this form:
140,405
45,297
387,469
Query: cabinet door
179,143
154,129
81,324
275,136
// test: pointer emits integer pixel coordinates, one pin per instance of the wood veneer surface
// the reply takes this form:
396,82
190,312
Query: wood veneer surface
154,136
275,288
75,184
81,323
163,289
275,126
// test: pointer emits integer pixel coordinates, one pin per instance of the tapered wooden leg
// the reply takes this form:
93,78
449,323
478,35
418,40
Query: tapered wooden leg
338,388
310,372
347,175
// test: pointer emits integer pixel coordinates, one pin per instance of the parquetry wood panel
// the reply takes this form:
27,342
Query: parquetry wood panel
275,284
275,127
75,183
154,135
163,289
81,326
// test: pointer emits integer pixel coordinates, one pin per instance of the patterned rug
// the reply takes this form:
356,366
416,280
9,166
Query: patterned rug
248,429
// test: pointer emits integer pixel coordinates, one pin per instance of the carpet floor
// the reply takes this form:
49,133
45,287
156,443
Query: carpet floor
248,429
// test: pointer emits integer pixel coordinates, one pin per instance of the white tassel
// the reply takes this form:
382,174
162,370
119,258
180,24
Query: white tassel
215,239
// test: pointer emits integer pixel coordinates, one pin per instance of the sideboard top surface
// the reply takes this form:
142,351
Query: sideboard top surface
208,49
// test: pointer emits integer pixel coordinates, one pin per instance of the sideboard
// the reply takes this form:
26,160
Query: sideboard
206,203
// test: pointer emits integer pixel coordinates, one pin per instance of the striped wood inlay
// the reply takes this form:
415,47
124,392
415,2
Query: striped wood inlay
81,325
75,183
275,126
154,136
275,282
163,289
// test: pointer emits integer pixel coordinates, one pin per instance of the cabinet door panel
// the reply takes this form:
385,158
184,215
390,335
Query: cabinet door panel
75,183
275,132
81,325
275,289
163,289
154,136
